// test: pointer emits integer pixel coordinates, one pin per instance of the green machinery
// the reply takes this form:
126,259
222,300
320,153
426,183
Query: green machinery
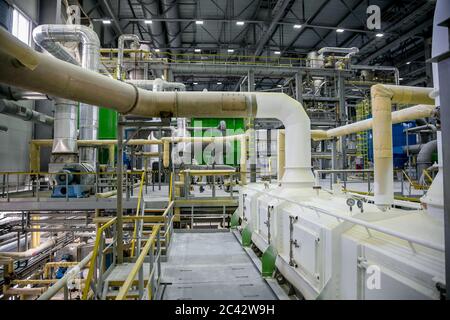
233,126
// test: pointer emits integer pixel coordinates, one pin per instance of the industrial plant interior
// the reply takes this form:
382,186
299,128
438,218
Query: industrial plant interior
224,150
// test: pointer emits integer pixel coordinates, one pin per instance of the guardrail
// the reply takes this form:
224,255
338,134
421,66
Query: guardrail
37,183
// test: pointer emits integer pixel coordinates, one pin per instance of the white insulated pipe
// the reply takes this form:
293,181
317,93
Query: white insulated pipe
30,252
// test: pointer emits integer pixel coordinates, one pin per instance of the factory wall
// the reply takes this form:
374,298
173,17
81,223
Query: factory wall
14,151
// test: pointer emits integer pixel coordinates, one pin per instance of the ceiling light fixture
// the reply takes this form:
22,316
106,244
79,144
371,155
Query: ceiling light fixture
198,50
340,30
106,21
230,50
194,83
379,35
199,22
148,21
219,83
277,52
297,26
157,50
240,23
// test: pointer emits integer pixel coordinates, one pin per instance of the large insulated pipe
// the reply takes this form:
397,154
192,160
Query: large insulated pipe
47,37
15,110
121,47
24,67
407,114
382,98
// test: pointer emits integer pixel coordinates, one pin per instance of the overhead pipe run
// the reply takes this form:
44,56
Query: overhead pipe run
28,69
15,110
407,114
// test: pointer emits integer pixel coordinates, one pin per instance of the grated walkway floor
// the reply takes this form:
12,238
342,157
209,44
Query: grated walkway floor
211,266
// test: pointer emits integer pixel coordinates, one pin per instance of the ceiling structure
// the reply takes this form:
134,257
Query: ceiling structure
275,28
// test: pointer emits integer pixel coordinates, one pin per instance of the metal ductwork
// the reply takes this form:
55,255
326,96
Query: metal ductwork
425,155
121,48
47,36
15,110
348,51
65,129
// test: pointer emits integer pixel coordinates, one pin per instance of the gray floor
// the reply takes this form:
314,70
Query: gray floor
211,266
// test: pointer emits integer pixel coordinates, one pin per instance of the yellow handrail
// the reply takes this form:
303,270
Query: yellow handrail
94,256
139,261
141,187
426,174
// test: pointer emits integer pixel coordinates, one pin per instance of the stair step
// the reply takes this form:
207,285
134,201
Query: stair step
133,294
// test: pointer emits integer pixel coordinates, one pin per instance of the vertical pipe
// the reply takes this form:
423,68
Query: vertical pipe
299,87
382,146
119,213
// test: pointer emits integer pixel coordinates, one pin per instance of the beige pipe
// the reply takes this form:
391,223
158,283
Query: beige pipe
382,98
23,67
407,114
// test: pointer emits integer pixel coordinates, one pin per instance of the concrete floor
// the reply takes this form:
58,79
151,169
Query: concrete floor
211,266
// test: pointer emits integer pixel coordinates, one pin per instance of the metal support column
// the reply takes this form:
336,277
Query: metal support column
299,87
119,190
251,141
443,61
342,121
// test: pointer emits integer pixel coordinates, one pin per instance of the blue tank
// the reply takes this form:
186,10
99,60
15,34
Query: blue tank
398,142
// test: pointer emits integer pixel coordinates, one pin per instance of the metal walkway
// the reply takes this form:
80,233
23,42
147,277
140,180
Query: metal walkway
211,266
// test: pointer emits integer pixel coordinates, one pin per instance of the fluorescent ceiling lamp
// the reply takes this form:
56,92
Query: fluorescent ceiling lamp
198,50
297,26
106,21
230,50
400,79
240,23
219,83
156,50
379,35
277,52
194,83
199,22
409,62
148,21
340,30
279,85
